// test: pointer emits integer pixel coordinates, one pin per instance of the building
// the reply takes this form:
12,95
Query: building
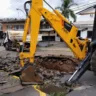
85,29
85,25
13,24
48,33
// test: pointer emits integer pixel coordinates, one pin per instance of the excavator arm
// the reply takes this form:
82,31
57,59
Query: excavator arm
32,23
66,30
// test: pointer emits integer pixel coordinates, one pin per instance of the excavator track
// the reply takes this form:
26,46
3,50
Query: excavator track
93,62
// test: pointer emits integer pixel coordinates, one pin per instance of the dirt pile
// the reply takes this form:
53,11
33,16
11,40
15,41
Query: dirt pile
9,64
60,63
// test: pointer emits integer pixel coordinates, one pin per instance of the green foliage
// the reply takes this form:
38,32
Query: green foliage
58,94
65,9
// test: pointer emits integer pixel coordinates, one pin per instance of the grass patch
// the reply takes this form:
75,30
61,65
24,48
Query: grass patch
53,90
57,94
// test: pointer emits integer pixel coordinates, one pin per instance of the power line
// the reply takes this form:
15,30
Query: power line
84,6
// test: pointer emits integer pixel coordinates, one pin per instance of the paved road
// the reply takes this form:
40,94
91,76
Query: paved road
4,53
42,51
88,80
13,86
2,48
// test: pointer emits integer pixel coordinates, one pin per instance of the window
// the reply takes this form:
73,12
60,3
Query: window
78,34
21,27
58,35
9,27
16,27
48,38
89,34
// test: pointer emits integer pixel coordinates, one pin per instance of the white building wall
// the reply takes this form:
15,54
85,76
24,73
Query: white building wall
57,38
83,34
85,17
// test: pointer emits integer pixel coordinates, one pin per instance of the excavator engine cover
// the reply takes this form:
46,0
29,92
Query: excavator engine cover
29,75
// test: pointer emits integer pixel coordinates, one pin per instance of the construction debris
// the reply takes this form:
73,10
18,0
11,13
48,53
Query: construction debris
51,69
66,64
61,63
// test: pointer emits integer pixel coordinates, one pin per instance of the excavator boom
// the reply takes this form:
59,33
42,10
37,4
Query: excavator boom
66,30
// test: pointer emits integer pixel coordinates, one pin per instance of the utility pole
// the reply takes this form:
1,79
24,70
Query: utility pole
21,11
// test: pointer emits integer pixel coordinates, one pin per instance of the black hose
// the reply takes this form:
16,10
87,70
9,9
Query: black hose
27,2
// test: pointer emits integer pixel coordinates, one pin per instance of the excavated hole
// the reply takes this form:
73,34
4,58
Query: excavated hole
52,70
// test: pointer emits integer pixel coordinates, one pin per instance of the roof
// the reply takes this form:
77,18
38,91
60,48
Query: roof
12,21
84,23
9,20
87,10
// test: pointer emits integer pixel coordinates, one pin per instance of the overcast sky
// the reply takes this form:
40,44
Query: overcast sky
8,7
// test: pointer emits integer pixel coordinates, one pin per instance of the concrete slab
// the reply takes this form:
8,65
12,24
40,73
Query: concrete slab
2,48
88,79
86,92
29,91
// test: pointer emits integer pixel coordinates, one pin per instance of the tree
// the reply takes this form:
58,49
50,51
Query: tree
65,9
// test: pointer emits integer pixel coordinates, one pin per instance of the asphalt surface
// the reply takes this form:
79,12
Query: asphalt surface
12,86
88,80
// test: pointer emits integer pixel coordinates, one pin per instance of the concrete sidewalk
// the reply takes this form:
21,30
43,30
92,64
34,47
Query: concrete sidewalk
88,86
2,48
54,51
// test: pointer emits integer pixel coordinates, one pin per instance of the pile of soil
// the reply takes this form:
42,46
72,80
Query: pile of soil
60,63
9,64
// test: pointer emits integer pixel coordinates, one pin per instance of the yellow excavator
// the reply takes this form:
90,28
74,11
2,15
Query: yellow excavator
83,49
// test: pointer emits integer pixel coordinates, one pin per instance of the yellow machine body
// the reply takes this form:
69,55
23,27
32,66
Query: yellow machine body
66,30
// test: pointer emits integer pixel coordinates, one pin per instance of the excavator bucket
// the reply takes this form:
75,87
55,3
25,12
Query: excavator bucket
29,76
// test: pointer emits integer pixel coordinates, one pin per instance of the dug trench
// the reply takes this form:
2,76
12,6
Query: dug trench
51,69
